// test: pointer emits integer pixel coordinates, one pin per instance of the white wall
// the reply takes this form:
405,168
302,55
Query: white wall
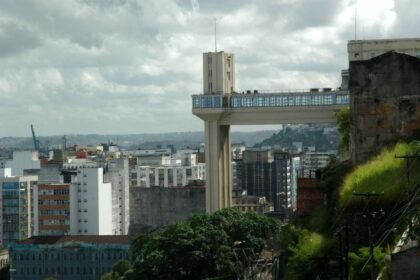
94,202
24,160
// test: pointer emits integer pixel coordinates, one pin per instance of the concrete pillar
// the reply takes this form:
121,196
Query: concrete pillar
156,176
165,177
184,176
147,177
174,176
218,164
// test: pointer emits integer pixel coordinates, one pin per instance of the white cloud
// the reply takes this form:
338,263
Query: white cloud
131,66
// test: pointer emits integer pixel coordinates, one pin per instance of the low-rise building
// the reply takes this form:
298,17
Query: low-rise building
67,257
4,258
309,196
250,203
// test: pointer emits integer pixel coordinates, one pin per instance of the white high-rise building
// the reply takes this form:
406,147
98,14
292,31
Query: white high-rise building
90,204
218,73
118,175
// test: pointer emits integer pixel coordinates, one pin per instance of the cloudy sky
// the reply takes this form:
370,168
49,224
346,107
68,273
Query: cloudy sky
131,66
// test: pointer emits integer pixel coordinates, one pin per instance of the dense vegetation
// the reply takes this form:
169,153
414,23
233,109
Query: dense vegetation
384,174
343,126
203,246
308,137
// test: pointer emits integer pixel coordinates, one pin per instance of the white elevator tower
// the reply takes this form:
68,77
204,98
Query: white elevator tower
218,79
218,73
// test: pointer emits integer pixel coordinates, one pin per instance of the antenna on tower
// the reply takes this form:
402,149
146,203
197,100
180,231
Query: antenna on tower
355,23
215,34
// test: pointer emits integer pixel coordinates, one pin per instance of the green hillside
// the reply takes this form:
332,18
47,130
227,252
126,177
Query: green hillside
384,173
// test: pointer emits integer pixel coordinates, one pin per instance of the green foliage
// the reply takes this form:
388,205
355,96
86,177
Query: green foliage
320,220
121,270
201,247
4,272
359,266
384,173
305,249
343,125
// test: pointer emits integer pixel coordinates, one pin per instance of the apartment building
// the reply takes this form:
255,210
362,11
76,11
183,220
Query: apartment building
91,203
16,215
117,173
52,209
271,174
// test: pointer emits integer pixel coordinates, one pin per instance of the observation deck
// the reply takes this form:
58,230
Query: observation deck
271,107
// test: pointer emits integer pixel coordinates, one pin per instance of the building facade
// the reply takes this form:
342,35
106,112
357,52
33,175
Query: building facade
384,102
117,173
66,257
16,208
51,209
218,73
367,49
91,203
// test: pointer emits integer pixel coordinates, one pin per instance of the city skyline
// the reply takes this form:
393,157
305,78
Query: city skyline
116,67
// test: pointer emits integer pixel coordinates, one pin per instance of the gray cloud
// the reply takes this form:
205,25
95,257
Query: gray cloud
131,66
15,38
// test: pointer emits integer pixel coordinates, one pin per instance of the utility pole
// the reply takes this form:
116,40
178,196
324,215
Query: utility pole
340,249
346,251
344,247
370,216
407,172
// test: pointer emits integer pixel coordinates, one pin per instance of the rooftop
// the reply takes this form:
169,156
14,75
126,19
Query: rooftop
93,239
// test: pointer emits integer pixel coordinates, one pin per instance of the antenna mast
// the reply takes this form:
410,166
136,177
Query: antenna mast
215,35
355,24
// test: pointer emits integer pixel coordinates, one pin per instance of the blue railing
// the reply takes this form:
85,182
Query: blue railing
271,100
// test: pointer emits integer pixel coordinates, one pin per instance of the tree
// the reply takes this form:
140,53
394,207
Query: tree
121,270
305,250
4,272
360,265
343,123
200,247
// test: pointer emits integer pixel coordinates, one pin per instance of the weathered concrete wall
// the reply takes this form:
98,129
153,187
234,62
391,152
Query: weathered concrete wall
151,208
405,265
384,102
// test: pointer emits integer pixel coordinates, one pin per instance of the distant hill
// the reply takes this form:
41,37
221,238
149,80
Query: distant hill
323,139
179,139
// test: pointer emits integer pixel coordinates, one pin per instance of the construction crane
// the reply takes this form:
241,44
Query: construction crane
36,141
